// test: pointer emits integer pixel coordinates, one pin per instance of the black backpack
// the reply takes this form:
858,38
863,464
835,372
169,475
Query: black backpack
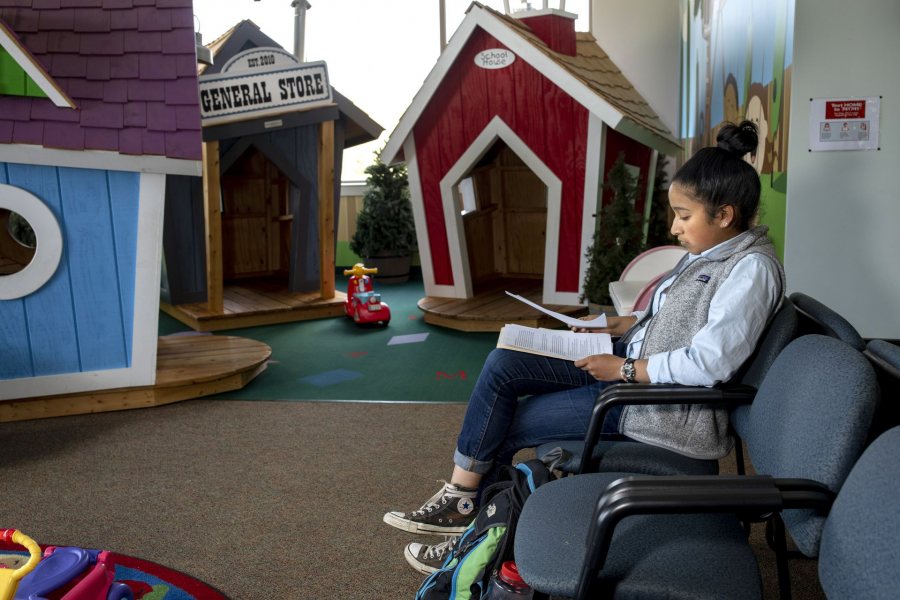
488,542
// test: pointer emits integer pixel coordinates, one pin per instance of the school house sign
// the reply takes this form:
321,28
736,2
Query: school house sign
262,81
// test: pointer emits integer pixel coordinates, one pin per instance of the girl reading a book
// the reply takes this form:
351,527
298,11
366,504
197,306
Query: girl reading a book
704,321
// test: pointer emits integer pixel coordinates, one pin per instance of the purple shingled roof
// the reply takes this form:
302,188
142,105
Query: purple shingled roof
128,65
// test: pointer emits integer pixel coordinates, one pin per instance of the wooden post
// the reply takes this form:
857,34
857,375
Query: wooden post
212,194
326,209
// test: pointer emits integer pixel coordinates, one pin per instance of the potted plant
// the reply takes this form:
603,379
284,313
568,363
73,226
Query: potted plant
618,239
385,234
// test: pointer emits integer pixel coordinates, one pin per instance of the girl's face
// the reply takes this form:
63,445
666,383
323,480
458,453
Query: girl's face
692,225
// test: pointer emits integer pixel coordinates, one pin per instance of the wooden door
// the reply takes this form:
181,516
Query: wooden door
506,234
525,222
254,204
479,228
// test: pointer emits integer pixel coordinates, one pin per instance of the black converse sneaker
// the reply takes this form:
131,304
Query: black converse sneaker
428,559
448,512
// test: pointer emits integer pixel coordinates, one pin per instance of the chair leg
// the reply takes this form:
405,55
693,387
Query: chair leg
739,463
775,536
739,454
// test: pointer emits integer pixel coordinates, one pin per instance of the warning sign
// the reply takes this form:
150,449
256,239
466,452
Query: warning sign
845,109
844,123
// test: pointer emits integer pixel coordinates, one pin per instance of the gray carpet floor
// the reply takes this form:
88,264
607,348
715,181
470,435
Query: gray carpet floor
259,499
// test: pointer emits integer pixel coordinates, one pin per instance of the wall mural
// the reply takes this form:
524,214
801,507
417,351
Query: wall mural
737,65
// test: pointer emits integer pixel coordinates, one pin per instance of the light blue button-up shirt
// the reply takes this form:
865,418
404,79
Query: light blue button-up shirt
738,314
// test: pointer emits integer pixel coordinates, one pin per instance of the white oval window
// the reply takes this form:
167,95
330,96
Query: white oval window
30,243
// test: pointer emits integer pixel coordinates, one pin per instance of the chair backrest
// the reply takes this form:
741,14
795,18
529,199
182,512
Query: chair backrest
650,263
885,357
815,317
778,334
858,557
810,420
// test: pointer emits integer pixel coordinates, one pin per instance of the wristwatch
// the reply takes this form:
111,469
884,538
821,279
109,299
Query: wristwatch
628,372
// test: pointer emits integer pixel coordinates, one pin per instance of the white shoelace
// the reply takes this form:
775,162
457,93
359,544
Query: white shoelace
437,551
434,502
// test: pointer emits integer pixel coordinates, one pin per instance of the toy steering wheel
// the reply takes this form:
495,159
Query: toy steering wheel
359,270
9,578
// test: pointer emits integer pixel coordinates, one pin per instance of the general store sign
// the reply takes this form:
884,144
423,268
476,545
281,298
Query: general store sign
260,82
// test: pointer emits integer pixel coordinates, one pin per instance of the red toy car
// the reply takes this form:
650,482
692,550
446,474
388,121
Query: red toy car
363,304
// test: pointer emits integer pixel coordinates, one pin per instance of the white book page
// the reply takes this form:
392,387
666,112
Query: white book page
597,322
567,345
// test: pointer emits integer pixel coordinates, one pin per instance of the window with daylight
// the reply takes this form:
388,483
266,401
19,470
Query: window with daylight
17,242
30,243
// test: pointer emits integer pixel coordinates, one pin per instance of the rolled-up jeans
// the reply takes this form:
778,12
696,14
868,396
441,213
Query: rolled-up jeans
523,400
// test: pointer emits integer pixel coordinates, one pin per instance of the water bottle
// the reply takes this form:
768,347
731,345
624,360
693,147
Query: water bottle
508,584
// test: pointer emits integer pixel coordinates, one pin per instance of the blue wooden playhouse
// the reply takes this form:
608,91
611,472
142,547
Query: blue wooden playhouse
98,105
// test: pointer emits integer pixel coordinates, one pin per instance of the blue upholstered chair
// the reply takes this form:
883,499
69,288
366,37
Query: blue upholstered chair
858,554
635,457
623,536
815,317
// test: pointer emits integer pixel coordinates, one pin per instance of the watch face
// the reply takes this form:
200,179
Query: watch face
629,370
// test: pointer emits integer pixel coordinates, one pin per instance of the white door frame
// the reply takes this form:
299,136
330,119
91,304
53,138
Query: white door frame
495,130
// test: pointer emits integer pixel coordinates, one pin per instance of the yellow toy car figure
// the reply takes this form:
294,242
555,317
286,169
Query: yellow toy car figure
363,304
10,578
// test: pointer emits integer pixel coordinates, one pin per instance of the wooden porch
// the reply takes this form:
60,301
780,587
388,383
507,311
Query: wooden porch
254,302
491,308
187,366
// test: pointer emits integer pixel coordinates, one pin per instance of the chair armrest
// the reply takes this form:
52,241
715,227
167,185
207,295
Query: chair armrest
745,496
655,393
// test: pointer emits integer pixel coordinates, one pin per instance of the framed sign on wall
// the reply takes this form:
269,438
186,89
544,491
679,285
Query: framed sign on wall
844,123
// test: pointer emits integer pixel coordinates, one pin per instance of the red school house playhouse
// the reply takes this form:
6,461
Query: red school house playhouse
507,143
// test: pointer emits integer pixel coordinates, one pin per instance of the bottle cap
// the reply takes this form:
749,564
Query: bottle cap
510,574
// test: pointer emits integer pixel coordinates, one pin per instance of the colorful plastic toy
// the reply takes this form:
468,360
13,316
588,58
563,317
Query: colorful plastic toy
10,578
363,304
64,573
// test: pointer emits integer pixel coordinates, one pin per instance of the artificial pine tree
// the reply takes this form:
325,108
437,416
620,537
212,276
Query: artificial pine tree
660,225
618,239
385,223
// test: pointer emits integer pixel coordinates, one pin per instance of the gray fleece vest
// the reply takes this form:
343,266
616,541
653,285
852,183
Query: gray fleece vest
693,430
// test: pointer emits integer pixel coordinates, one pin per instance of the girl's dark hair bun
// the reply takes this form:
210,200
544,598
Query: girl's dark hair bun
738,139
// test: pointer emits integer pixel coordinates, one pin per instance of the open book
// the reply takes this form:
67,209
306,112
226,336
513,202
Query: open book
555,343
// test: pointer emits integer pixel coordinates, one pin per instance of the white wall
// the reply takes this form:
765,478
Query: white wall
643,38
843,207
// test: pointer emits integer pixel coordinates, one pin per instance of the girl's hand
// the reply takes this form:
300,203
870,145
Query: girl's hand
603,367
615,326
607,367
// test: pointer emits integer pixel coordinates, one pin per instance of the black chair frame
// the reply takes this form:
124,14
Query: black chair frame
748,497
725,395
624,394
